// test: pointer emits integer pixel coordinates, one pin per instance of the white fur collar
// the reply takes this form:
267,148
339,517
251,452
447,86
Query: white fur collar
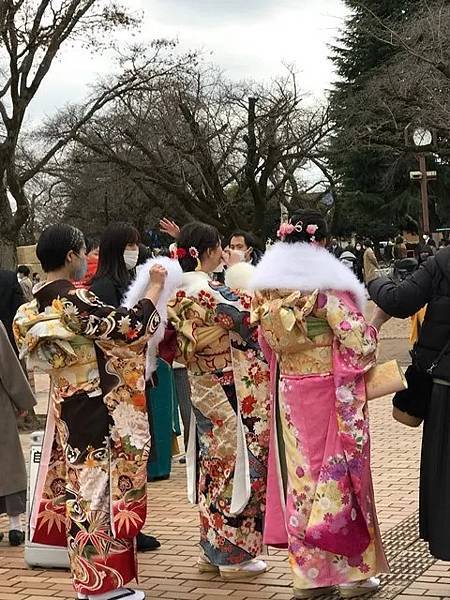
307,268
137,291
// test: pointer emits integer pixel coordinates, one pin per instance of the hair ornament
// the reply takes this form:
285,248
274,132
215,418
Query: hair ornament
288,229
178,253
193,252
311,229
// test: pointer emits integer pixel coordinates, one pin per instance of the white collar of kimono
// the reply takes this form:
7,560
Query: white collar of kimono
195,276
307,268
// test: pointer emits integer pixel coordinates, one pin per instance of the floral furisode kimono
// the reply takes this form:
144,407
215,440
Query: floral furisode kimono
91,489
320,501
230,398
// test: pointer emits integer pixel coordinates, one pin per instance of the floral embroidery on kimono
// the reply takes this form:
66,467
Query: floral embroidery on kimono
91,490
230,396
320,500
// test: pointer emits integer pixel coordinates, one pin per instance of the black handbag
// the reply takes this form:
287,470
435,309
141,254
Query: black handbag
410,405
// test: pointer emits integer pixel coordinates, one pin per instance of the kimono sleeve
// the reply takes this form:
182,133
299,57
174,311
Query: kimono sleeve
84,314
349,325
233,313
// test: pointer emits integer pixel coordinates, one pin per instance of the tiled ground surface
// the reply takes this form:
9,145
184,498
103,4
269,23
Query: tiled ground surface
171,573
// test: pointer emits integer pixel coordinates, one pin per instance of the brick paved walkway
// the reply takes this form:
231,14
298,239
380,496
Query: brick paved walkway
171,573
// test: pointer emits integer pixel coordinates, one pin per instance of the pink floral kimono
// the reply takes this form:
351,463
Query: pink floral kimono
320,501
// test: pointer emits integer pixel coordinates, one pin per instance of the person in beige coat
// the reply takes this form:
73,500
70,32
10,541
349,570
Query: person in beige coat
370,261
16,398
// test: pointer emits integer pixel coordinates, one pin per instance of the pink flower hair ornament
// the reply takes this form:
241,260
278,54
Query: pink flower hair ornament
288,229
193,252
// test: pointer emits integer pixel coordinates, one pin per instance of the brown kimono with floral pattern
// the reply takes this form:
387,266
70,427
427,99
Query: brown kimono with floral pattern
91,490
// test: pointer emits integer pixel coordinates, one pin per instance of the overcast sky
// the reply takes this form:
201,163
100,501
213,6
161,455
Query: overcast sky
248,39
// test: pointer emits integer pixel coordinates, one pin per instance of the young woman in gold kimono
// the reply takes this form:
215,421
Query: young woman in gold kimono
229,382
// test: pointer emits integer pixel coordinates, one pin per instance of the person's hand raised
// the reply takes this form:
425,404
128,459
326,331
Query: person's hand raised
170,228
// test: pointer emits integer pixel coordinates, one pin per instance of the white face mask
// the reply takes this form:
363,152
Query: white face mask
131,258
241,254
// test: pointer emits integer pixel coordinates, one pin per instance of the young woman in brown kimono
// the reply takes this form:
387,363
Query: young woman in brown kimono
91,490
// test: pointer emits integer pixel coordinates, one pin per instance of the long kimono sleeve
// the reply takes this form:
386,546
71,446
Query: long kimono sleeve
356,338
84,314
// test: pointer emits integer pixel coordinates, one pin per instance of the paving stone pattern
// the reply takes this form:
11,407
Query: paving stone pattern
171,572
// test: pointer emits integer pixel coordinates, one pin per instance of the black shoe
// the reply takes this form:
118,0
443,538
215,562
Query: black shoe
147,543
182,460
158,478
16,538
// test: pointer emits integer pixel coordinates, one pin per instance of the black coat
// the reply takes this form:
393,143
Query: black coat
429,285
11,297
109,291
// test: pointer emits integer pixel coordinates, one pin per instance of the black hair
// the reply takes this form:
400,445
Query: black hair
111,263
91,243
249,238
144,254
196,235
55,243
302,219
368,243
23,270
399,240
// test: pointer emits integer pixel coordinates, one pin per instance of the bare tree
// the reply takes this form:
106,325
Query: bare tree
215,151
32,35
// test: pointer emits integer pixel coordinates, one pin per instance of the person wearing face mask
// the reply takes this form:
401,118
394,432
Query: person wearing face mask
117,259
244,244
91,488
228,441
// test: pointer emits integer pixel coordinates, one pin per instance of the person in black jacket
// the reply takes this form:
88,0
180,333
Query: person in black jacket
429,285
118,257
11,297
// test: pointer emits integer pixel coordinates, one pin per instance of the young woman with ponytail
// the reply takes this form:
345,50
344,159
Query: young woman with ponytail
229,383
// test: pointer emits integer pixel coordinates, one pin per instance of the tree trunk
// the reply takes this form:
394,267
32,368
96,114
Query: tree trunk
8,253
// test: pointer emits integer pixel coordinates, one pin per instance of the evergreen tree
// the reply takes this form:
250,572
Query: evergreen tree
368,155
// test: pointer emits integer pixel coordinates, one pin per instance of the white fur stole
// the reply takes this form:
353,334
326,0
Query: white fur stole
136,292
306,268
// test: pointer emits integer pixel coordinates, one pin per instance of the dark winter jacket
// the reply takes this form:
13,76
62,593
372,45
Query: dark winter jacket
11,297
108,290
429,285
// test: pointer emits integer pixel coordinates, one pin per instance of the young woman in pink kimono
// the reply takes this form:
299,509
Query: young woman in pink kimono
320,502
228,440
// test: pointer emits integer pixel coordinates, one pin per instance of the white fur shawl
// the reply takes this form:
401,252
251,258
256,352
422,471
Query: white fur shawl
307,268
137,291
239,276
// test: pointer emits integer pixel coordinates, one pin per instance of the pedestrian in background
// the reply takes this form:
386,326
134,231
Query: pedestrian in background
16,399
23,275
11,297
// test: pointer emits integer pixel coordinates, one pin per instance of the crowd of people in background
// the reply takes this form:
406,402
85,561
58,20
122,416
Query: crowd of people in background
258,354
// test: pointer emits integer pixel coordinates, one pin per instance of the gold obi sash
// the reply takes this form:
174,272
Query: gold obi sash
302,342
82,374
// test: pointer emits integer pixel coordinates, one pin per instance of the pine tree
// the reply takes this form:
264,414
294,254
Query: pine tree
375,191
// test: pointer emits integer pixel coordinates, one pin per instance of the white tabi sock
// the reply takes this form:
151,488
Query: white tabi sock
15,523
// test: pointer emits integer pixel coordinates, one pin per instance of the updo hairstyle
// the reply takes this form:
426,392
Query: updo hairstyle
197,236
304,222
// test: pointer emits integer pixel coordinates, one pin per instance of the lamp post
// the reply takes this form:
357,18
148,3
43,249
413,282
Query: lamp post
423,138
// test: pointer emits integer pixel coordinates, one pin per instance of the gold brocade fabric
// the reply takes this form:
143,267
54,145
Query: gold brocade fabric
302,341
